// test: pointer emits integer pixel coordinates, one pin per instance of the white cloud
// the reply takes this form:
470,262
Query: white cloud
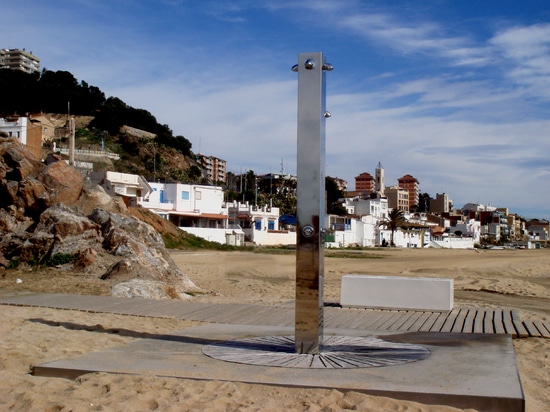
526,51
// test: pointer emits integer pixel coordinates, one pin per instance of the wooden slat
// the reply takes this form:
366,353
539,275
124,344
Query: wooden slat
508,324
440,321
468,326
382,320
410,319
342,317
429,324
544,332
450,320
388,324
419,321
478,321
497,321
488,324
459,322
399,323
357,320
533,331
378,318
518,325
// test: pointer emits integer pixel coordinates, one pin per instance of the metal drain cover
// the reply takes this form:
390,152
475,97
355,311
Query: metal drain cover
338,352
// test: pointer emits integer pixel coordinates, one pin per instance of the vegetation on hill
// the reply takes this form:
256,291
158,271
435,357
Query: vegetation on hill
166,157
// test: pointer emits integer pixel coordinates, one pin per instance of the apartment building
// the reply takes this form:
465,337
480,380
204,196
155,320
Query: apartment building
364,183
441,204
16,59
215,169
411,185
398,198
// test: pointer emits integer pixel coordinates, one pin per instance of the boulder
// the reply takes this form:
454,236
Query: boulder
47,212
64,182
146,289
29,184
95,197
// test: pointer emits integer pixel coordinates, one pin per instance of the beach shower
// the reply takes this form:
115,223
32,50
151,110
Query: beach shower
310,213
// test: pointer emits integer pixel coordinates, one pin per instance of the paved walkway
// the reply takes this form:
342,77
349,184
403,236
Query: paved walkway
461,320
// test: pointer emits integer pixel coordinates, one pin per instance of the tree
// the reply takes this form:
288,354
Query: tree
394,220
334,194
423,203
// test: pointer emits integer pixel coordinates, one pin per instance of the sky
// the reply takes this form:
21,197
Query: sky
454,93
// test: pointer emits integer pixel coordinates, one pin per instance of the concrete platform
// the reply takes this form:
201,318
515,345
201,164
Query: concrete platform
476,371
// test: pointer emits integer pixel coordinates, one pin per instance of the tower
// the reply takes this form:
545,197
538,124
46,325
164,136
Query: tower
379,179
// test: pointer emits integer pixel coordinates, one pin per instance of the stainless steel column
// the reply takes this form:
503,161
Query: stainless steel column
311,202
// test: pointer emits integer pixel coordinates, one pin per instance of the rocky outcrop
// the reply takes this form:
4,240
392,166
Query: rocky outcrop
30,185
49,216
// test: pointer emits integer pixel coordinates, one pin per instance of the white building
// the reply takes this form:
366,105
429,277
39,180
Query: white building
29,131
359,228
374,207
123,184
344,231
260,224
470,228
413,237
15,127
196,209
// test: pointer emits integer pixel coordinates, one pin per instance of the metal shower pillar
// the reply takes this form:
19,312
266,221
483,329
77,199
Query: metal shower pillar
309,322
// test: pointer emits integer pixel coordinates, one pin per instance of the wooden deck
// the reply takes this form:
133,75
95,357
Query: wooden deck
460,320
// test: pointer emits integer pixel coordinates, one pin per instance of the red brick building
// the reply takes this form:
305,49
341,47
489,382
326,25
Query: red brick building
364,183
410,184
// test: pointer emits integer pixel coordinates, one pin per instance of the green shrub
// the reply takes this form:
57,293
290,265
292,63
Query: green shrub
61,259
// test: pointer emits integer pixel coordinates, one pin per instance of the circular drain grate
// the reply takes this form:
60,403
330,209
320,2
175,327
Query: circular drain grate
338,352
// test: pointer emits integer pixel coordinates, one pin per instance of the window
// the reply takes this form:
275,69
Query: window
258,225
271,225
185,195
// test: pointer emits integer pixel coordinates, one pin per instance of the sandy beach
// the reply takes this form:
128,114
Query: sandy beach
517,279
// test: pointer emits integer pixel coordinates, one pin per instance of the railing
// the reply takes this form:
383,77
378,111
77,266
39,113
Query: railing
110,155
341,227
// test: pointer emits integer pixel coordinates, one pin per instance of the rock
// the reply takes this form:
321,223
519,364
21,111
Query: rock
86,258
64,182
94,197
46,212
13,219
32,196
122,267
61,231
100,216
29,184
16,161
147,289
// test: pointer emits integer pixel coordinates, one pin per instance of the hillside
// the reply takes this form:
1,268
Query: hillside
144,156
100,120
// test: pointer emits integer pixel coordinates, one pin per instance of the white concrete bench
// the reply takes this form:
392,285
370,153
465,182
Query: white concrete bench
389,292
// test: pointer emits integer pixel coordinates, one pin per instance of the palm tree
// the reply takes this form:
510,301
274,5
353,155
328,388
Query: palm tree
394,220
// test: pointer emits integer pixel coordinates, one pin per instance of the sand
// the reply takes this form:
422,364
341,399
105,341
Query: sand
29,336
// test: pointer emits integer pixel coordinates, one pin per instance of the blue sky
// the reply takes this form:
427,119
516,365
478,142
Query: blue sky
455,93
